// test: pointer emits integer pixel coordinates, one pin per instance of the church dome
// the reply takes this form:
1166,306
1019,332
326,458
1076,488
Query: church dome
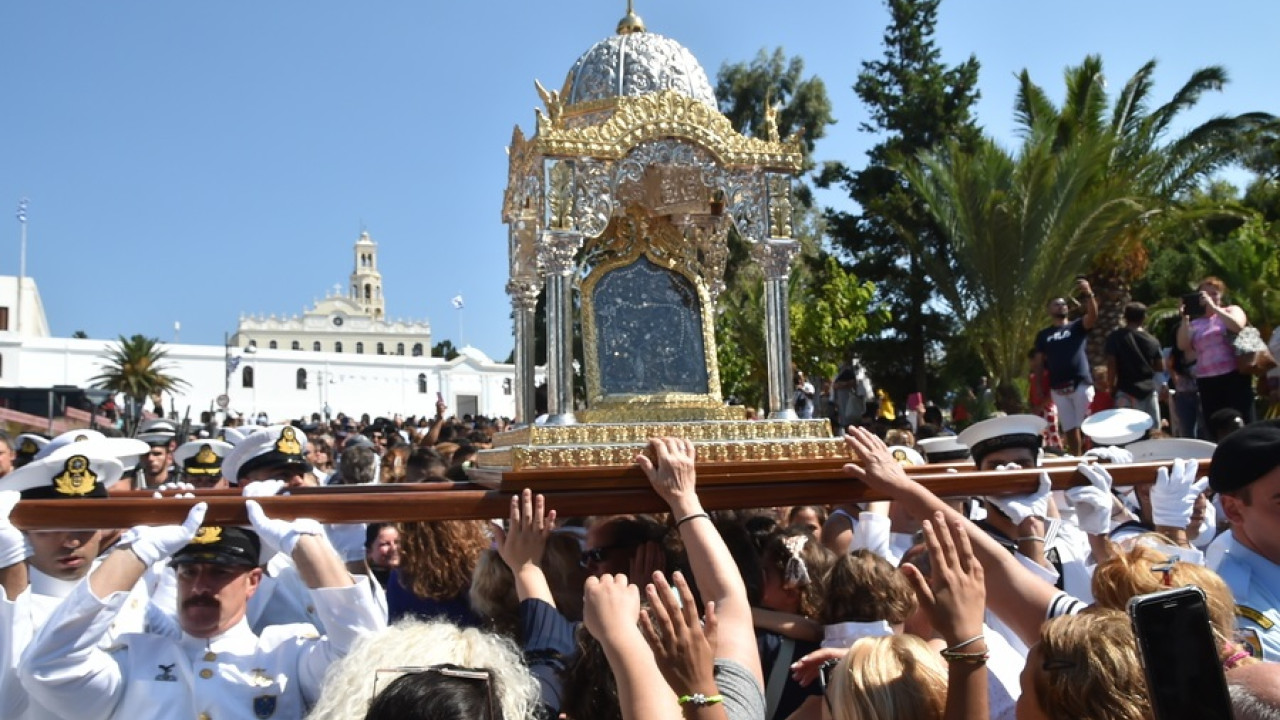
637,63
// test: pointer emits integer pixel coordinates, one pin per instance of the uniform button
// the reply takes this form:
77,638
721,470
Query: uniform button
210,656
206,673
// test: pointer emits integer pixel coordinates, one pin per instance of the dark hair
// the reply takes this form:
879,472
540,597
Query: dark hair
864,587
434,696
1224,422
1135,313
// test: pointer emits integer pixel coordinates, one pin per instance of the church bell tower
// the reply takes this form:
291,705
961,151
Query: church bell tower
366,281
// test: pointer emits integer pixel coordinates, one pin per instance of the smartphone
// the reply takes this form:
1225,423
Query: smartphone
1180,655
1191,301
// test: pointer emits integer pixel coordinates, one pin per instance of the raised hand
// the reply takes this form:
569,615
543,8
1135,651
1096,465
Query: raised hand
280,535
153,544
523,543
1093,502
671,470
1173,496
263,488
1021,507
684,650
610,608
876,466
953,595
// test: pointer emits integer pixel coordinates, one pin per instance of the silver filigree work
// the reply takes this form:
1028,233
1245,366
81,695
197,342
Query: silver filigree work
637,64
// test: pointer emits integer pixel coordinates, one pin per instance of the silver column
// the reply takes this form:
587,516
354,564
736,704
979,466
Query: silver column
774,258
556,256
524,301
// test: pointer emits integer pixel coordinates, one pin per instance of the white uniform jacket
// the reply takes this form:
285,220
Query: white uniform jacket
20,618
231,676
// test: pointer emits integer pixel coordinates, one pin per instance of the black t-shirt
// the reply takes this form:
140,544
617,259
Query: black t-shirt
1137,355
1063,348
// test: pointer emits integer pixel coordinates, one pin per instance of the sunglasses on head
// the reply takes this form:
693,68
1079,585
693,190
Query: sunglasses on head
478,675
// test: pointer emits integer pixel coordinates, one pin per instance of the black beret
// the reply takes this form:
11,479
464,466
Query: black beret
1245,456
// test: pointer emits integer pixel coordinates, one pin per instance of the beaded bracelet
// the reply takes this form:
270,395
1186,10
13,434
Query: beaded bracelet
700,700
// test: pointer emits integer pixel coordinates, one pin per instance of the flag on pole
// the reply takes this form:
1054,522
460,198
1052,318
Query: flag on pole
457,301
232,363
22,211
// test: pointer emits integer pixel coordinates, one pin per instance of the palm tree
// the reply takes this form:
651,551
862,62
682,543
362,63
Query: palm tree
136,369
1019,228
1156,165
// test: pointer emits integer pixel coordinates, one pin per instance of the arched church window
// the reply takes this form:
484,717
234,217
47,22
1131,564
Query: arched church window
368,291
315,346
302,379
246,376
381,349
422,383
359,348
337,347
272,345
417,349
399,348
295,345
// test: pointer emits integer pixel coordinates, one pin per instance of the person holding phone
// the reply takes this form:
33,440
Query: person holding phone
1246,471
1207,328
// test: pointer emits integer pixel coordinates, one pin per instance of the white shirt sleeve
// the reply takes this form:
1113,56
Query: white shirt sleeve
64,670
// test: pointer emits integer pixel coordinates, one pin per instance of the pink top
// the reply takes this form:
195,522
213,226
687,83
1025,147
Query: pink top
1214,354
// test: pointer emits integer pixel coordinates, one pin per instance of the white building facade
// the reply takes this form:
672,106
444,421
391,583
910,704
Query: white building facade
342,355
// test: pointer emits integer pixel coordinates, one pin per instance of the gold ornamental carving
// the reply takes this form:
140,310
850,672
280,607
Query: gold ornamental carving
665,114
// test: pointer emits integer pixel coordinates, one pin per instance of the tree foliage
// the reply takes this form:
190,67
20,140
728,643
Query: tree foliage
136,368
914,102
444,349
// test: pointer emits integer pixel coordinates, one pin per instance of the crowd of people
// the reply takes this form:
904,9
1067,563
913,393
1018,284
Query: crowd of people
1000,606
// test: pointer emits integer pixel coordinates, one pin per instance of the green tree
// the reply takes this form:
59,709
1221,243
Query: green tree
1017,229
1249,263
914,101
136,368
1155,163
444,349
743,90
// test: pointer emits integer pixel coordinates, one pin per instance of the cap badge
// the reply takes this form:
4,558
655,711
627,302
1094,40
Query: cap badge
76,478
288,442
207,535
206,456
29,447
81,438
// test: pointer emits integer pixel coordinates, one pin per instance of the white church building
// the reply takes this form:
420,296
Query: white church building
342,355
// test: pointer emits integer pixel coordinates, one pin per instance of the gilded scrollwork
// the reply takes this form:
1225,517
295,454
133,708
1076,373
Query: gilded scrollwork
593,196
779,205
559,195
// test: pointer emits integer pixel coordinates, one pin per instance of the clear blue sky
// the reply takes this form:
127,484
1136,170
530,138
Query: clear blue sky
190,161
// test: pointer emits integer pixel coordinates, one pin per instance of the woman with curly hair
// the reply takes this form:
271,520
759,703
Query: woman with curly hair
437,560
1085,667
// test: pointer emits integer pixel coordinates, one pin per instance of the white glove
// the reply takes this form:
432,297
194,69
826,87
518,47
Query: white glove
263,488
1093,501
280,535
153,544
1112,454
1021,507
175,487
348,540
1173,497
13,546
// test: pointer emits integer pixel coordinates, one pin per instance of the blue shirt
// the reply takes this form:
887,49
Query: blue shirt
1063,349
1255,582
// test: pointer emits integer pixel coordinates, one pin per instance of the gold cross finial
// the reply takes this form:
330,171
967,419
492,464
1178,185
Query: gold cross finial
632,22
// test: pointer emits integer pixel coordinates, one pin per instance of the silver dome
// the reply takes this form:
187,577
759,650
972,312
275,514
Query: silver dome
634,64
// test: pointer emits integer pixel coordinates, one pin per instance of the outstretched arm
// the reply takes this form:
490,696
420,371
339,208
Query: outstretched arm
671,473
1014,594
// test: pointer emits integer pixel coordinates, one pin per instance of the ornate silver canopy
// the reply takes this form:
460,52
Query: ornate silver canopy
636,64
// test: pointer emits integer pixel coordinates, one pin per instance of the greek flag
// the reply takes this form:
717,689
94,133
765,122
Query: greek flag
22,211
457,301
232,364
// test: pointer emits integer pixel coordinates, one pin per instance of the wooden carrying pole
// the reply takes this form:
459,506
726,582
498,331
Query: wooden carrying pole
718,487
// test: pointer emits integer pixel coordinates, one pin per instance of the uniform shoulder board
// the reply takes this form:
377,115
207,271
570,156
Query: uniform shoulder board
1255,617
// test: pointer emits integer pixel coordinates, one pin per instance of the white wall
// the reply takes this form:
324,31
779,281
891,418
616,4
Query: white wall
353,384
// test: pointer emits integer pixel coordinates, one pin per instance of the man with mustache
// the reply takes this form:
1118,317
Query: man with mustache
217,667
